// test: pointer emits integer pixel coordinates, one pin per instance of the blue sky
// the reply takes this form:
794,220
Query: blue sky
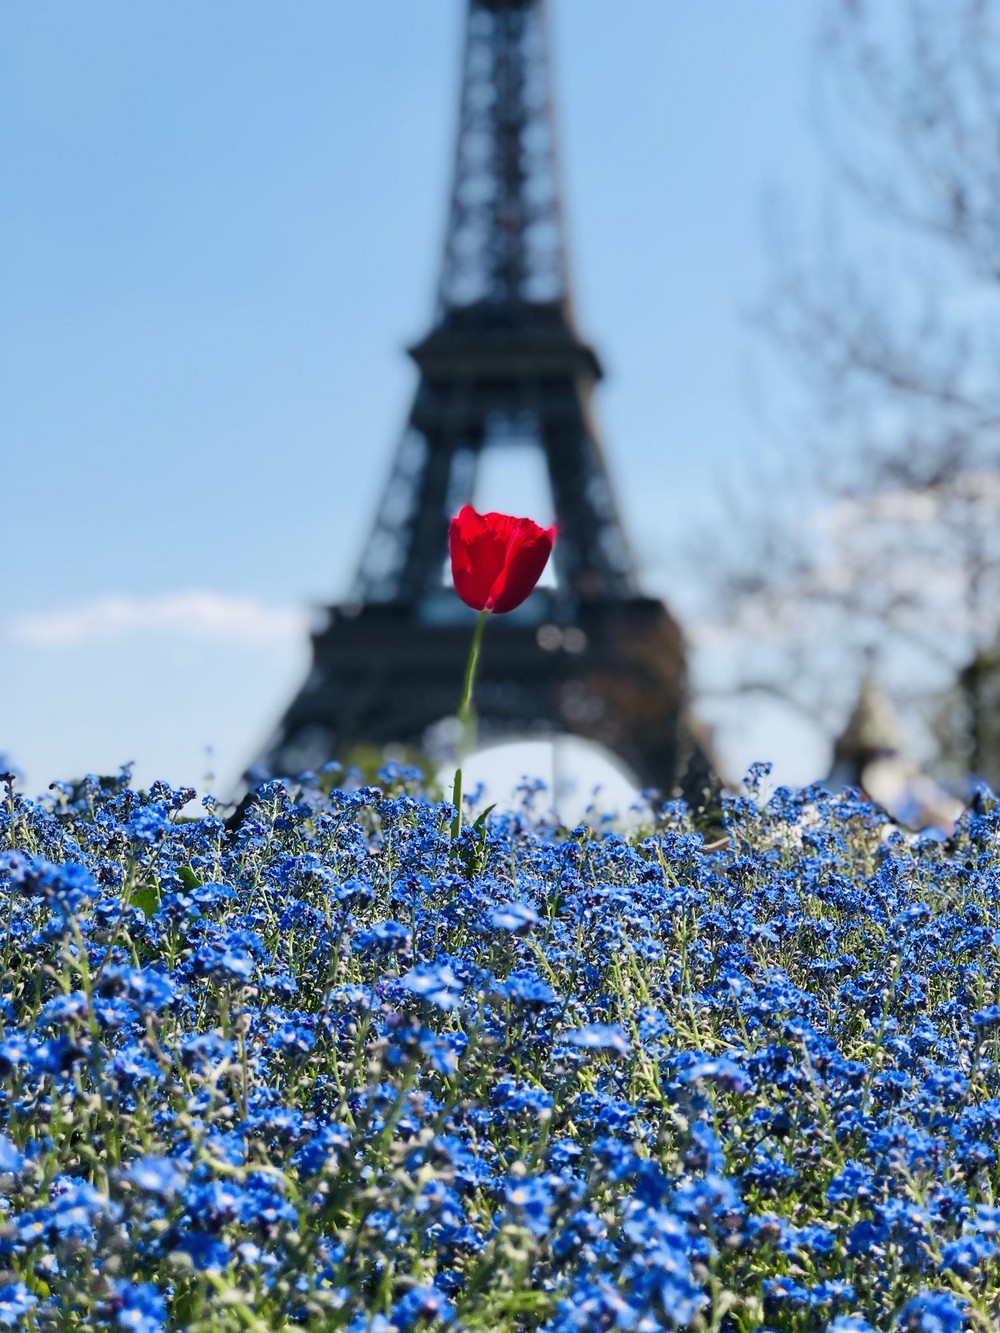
221,225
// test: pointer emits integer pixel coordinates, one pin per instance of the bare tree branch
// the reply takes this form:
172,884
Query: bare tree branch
901,361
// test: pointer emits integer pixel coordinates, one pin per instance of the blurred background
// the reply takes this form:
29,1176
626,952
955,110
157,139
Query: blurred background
222,224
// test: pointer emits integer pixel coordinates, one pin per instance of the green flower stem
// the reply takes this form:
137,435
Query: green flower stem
465,719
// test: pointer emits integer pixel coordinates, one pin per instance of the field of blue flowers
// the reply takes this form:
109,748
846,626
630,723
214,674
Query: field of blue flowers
335,1070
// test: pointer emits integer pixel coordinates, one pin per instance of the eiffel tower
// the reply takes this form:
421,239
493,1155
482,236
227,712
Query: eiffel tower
502,365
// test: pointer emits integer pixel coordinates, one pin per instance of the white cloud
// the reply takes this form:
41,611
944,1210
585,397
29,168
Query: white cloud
198,615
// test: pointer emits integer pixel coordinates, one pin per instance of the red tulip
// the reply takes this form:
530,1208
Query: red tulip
496,559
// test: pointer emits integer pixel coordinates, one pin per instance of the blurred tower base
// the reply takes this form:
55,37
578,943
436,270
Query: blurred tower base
388,676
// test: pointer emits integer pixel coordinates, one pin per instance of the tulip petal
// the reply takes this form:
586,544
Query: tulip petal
528,551
478,552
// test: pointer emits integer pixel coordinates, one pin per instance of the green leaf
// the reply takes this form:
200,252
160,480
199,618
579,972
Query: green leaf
146,897
480,823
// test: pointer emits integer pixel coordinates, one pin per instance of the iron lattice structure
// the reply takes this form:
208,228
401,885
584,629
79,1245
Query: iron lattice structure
502,365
